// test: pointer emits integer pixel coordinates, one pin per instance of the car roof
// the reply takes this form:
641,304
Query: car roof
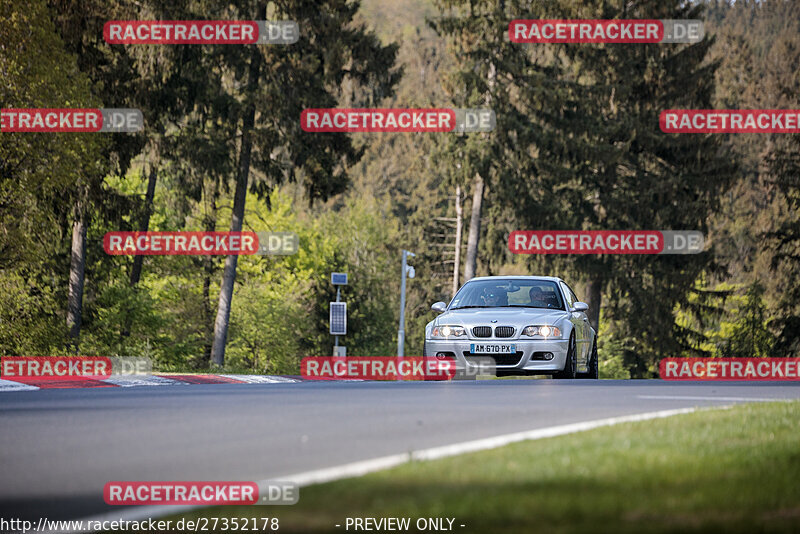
517,277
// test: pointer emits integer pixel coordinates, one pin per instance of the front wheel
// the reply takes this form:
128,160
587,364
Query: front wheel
571,363
592,373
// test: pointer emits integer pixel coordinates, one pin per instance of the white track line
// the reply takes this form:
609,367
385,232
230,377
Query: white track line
364,467
726,399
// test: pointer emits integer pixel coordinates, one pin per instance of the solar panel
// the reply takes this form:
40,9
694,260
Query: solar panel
338,318
339,279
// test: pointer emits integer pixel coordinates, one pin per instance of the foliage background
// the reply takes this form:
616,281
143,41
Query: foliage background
740,301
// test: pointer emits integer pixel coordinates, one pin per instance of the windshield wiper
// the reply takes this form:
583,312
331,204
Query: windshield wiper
464,307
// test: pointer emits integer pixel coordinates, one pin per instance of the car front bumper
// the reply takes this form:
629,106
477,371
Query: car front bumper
526,350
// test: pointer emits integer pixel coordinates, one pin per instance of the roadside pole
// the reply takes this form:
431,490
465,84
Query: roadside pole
336,337
338,314
406,270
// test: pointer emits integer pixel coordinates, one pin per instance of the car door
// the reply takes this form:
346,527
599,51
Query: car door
581,322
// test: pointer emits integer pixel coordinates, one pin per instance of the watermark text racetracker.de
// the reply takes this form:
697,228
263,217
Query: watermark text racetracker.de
200,493
242,32
75,120
72,367
761,369
201,524
730,121
629,31
329,120
392,368
605,242
183,243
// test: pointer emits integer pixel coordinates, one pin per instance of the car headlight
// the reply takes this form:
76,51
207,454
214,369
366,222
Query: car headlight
549,332
446,331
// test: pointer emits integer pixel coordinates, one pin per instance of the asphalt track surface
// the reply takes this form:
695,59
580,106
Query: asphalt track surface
58,448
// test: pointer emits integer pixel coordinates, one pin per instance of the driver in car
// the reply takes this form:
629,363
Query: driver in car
538,297
491,298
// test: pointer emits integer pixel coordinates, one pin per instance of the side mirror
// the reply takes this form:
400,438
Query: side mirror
580,307
439,307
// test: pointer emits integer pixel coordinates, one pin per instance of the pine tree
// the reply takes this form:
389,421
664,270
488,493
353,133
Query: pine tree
604,164
275,84
750,338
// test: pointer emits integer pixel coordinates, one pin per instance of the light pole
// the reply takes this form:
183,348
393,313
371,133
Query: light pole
406,270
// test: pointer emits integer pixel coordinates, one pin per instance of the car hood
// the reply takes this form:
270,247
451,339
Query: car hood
518,317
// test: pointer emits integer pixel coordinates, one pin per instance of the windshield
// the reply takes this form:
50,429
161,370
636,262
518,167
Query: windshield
502,293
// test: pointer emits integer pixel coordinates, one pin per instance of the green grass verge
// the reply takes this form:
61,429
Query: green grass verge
735,470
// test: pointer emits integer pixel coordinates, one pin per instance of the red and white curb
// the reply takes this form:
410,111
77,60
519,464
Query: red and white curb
127,381
8,385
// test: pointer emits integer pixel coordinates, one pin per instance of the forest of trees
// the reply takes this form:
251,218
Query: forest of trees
577,146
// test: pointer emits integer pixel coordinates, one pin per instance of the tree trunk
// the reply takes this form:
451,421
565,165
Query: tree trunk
459,225
208,267
239,198
594,296
77,269
144,224
474,236
474,229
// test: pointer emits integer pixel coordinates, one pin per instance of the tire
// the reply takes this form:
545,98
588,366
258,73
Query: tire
571,362
592,374
424,349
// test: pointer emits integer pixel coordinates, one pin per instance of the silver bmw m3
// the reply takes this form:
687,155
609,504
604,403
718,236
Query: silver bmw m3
526,324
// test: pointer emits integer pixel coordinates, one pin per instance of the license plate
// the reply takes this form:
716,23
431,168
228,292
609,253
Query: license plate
481,348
